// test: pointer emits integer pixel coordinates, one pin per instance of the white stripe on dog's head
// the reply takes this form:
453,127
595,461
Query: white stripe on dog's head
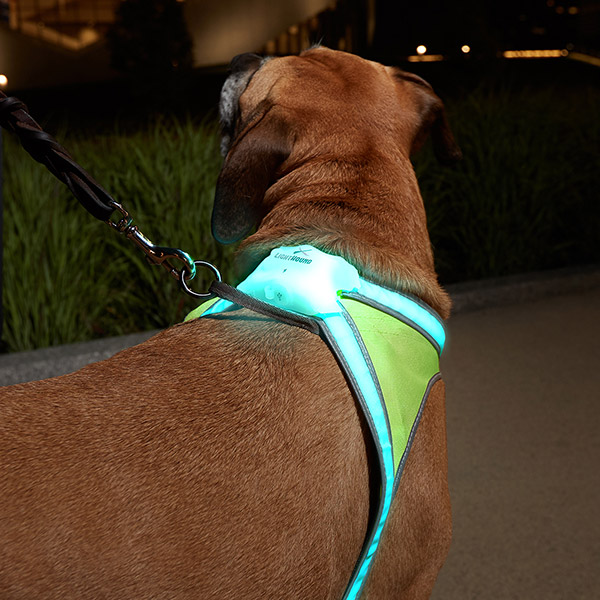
242,68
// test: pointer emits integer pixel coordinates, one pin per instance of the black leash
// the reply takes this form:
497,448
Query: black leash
92,196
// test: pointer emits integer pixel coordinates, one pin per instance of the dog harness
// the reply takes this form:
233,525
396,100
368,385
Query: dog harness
387,344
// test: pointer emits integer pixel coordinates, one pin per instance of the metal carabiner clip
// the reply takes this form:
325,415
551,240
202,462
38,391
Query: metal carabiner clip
162,255
157,255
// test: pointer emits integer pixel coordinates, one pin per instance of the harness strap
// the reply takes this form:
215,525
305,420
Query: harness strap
340,334
344,340
326,296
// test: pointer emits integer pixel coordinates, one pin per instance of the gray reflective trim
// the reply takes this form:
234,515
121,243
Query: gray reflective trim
373,373
327,336
411,436
411,297
363,554
386,309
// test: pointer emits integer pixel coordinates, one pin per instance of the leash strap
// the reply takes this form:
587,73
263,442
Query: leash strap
46,150
91,195
407,318
234,296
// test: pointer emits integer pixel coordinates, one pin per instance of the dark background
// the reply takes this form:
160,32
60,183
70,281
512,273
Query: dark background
489,28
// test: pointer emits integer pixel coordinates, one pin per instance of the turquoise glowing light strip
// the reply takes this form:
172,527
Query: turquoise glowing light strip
218,307
345,340
308,281
406,306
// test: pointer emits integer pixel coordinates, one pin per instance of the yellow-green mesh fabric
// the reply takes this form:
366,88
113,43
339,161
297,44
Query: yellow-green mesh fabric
404,360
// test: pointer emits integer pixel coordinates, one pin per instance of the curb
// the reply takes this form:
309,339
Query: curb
32,365
466,297
528,287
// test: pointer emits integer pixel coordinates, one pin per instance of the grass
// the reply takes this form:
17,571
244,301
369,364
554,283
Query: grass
524,198
68,277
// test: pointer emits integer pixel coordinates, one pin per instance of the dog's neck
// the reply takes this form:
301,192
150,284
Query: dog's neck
384,235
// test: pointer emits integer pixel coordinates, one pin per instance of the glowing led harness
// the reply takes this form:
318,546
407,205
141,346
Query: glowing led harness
387,343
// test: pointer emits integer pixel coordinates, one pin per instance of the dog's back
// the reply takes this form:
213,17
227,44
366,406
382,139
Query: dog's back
210,462
226,457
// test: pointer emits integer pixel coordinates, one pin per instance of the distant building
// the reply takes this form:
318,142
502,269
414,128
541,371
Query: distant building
48,42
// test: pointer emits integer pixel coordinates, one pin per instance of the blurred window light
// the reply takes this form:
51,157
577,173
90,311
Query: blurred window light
586,58
425,58
271,47
534,53
3,79
421,49
465,49
560,10
573,10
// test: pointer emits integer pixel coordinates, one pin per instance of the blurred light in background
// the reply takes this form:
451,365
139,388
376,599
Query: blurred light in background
535,53
586,58
421,49
3,80
465,49
425,58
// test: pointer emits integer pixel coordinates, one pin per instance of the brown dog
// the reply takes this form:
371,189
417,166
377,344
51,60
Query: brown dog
226,457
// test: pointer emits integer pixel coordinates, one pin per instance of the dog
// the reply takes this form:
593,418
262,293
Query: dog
226,456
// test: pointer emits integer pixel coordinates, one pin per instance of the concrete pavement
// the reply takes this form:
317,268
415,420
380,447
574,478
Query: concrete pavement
60,360
522,369
523,406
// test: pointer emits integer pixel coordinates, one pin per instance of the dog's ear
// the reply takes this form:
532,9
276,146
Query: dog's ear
241,70
250,168
433,120
254,145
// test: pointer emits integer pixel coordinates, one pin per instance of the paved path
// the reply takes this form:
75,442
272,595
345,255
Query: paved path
523,403
523,381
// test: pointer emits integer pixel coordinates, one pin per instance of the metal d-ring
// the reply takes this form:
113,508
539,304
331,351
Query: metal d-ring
199,263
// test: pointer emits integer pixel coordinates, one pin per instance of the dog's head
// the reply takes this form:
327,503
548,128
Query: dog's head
279,113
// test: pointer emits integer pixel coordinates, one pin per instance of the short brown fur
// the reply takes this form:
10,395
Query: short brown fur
226,458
